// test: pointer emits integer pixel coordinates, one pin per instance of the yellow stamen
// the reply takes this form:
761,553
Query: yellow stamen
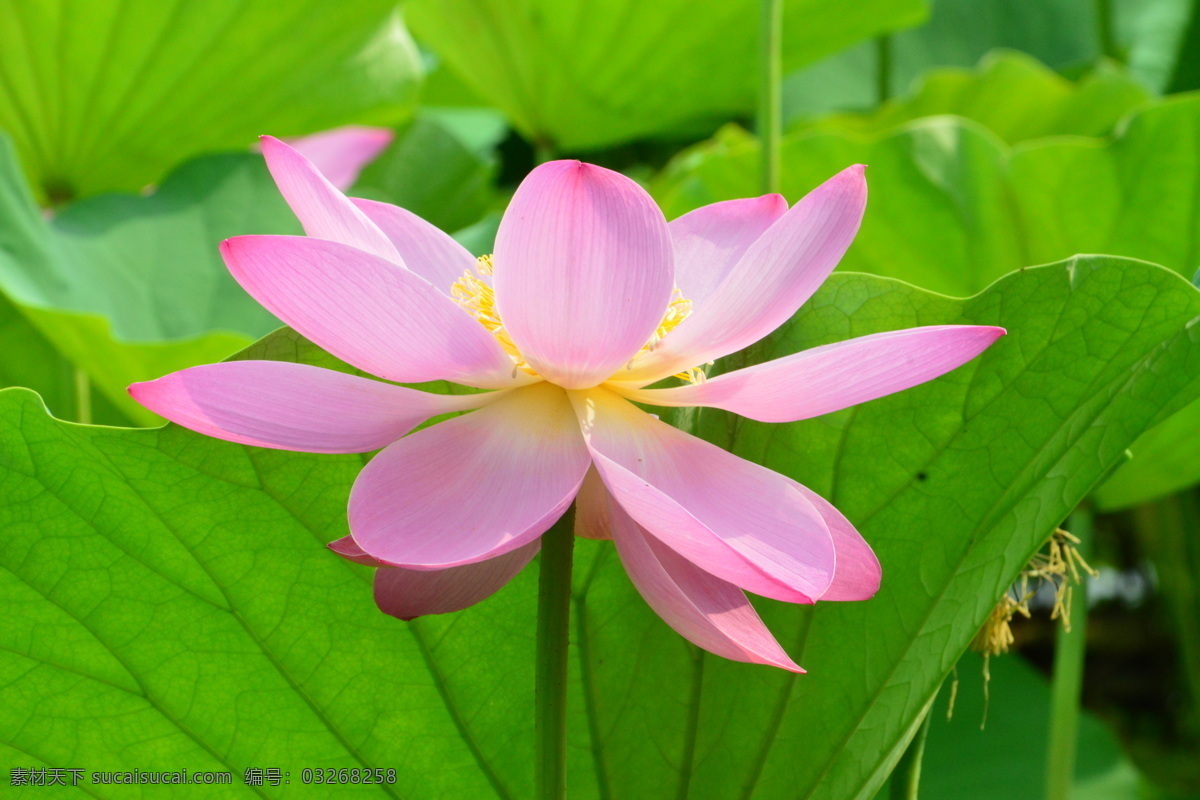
1060,565
479,299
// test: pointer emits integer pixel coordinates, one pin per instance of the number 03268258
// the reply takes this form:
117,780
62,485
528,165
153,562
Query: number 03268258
329,775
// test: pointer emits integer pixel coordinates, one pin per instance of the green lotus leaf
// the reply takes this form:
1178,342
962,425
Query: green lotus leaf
101,95
170,604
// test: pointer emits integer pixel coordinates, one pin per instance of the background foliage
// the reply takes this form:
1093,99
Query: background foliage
169,600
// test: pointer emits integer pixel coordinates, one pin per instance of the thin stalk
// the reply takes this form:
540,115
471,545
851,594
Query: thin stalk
770,94
906,777
553,634
1066,686
1168,529
83,397
1104,30
883,69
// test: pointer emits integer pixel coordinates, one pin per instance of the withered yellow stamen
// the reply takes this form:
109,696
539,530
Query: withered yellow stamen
479,298
1060,565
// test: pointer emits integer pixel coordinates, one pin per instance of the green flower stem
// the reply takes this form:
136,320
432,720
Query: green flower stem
883,69
83,397
1104,30
1166,529
1067,684
906,777
770,96
553,627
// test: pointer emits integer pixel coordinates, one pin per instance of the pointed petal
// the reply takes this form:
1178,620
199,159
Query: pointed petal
591,508
858,570
707,611
383,320
709,241
294,406
736,520
324,212
583,271
833,376
473,487
340,154
348,549
411,593
426,249
773,278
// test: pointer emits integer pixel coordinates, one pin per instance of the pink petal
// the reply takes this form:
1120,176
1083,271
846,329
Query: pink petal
324,211
425,248
833,376
708,612
709,241
383,320
294,406
773,278
348,549
583,271
410,593
341,153
591,508
473,487
736,520
858,572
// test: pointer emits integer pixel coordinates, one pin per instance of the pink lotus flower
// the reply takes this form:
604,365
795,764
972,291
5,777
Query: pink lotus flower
593,298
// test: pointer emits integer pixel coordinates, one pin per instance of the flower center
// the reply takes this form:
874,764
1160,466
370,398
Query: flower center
477,296
474,292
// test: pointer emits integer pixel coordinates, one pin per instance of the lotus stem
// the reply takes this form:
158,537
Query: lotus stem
770,98
553,634
1067,683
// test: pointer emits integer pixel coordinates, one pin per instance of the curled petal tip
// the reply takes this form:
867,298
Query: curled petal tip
348,549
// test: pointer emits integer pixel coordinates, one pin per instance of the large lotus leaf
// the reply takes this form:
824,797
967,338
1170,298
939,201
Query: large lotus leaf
1136,195
1062,34
952,209
102,94
1009,93
574,74
170,604
127,287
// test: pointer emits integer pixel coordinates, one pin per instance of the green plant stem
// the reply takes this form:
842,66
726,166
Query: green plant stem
553,634
1067,683
1167,529
906,777
883,69
83,398
770,95
1186,75
1104,30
